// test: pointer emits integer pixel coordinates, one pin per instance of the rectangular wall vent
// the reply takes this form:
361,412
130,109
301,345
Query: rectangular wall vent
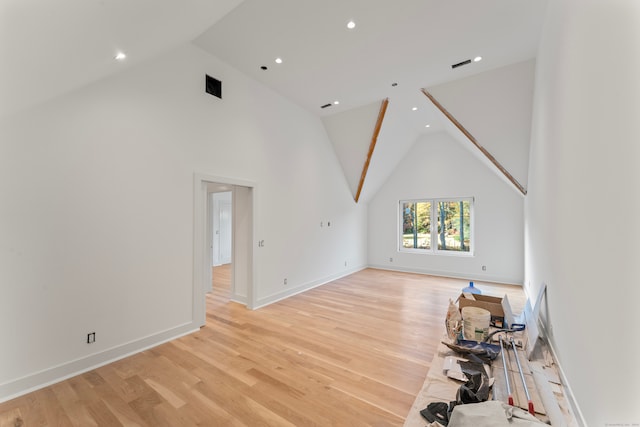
460,64
213,86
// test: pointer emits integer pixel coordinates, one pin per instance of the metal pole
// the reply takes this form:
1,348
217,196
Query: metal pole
524,384
506,374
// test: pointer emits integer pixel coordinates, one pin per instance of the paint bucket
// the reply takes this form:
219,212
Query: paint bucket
475,323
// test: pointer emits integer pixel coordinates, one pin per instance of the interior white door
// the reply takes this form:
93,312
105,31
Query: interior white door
225,228
215,215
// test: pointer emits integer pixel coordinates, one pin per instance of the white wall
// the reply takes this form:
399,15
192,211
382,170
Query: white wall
242,247
350,133
96,219
438,166
582,207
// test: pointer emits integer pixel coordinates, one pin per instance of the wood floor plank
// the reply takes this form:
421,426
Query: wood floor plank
32,411
144,406
119,408
352,352
76,409
11,417
210,412
54,412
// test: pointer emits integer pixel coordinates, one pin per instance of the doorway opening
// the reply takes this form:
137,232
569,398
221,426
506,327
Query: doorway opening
220,199
223,242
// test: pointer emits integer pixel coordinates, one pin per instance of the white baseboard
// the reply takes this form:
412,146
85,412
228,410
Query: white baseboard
451,274
262,302
37,380
568,392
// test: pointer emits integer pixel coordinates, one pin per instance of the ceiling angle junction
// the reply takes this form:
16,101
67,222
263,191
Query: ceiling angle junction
475,142
372,146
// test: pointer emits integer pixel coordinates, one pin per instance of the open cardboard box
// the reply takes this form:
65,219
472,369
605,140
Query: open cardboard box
498,307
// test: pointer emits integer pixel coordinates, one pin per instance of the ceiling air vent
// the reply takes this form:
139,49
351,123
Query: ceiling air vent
213,86
460,64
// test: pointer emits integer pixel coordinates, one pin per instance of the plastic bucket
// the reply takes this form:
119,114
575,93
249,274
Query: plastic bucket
475,323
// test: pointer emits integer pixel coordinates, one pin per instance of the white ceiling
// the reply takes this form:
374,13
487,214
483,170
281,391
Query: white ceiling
410,42
48,48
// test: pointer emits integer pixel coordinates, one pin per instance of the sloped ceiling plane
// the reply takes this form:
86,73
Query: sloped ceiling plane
459,66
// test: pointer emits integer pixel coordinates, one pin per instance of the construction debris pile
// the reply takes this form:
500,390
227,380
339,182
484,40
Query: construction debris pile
490,370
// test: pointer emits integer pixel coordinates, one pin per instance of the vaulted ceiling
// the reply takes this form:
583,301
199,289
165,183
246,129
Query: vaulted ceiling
395,50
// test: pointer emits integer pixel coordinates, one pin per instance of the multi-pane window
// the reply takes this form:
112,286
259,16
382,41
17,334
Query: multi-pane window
416,225
437,225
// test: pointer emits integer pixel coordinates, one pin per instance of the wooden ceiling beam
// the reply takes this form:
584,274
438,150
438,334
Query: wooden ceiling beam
372,146
475,142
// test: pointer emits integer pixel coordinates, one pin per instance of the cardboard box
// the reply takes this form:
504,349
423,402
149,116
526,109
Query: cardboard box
492,304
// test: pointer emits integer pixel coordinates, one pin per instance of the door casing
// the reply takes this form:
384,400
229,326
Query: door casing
243,235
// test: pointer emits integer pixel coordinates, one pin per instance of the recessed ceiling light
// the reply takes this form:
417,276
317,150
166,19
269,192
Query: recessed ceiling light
278,60
336,102
427,126
351,25
414,109
477,58
120,56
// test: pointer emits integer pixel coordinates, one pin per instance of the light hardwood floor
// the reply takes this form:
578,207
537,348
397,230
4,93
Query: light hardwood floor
221,284
352,352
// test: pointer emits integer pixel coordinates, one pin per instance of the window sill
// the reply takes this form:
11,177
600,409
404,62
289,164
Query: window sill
470,254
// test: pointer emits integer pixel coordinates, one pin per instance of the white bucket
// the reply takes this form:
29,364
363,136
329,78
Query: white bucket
475,323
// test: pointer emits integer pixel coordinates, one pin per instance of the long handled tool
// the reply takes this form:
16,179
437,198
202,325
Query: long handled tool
524,384
506,373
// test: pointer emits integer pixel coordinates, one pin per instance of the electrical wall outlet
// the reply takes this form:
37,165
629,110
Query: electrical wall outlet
390,259
484,268
285,280
91,337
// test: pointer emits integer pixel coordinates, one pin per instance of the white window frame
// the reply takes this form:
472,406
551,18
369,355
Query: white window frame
434,229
